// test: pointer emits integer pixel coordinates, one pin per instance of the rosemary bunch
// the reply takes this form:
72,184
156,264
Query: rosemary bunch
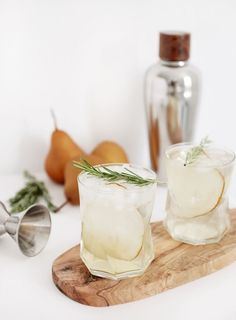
195,152
32,192
113,176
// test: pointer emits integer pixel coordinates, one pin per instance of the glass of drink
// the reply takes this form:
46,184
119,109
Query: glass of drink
116,239
197,202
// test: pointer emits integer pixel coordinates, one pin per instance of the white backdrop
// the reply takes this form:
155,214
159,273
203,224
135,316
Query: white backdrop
87,59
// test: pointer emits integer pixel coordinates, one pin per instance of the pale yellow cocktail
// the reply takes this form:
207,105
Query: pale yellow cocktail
116,239
197,202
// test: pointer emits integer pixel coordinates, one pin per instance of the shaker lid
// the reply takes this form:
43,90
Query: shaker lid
174,46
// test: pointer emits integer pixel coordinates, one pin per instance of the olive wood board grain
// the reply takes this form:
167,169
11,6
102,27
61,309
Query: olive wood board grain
175,263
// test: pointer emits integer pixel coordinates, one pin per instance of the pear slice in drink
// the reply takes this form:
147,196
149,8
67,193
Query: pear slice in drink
195,190
109,230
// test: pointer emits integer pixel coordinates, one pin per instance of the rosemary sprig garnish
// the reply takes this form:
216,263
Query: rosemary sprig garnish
109,175
30,194
195,152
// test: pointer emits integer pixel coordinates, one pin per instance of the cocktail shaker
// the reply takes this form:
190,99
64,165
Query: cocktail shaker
171,97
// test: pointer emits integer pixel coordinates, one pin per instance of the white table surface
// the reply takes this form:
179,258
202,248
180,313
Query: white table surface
27,290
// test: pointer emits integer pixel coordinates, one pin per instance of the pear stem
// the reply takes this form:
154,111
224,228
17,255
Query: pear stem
54,118
61,206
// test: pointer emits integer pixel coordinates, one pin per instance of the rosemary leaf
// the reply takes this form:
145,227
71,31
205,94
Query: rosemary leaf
112,175
31,193
195,152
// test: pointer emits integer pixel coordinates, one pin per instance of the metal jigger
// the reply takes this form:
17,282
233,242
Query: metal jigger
30,228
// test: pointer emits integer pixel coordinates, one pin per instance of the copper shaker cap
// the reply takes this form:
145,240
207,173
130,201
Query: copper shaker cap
174,46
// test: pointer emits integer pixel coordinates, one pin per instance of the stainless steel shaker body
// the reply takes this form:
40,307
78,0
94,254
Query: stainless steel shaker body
171,99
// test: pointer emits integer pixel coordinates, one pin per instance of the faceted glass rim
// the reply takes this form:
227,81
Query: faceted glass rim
211,145
130,166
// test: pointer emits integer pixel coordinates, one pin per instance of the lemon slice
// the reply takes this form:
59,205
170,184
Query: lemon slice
112,231
195,191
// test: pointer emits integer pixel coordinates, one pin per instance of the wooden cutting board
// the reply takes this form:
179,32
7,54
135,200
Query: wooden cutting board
175,263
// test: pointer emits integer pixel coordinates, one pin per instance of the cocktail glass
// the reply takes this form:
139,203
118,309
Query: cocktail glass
116,240
197,201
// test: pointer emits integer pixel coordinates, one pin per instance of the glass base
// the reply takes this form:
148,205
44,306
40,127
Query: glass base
113,268
118,276
193,241
205,229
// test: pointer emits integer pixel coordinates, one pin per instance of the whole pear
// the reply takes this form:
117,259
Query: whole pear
71,173
110,152
62,149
